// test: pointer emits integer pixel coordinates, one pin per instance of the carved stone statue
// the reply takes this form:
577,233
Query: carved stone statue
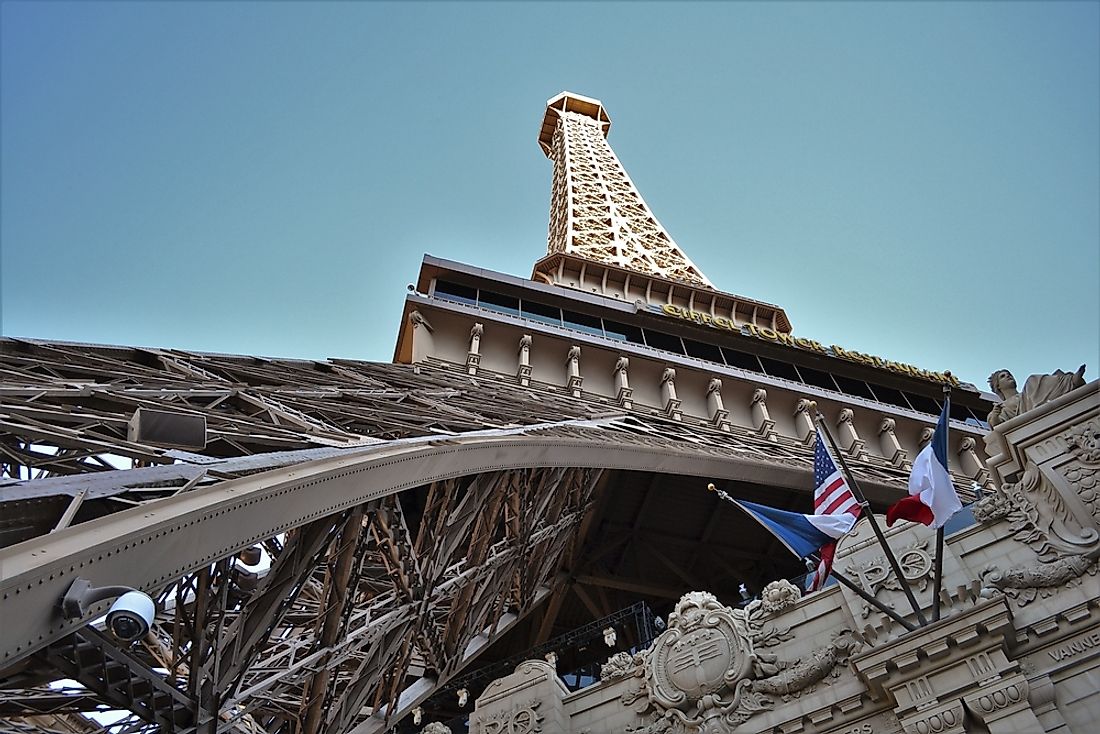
1038,390
778,596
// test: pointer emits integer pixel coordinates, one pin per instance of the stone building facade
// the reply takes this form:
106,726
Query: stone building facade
1017,648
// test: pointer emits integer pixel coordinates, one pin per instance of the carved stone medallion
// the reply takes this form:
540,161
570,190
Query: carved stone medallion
704,653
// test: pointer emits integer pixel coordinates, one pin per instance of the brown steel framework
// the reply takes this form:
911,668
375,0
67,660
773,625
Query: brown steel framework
411,515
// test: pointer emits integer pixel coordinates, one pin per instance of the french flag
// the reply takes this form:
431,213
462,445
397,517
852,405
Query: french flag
804,535
932,497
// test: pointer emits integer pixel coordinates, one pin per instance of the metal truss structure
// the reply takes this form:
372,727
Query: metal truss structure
596,211
351,538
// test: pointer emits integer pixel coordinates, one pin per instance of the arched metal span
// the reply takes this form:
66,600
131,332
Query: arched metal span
154,546
396,540
149,547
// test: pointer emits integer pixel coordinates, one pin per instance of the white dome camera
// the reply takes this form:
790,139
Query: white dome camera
130,616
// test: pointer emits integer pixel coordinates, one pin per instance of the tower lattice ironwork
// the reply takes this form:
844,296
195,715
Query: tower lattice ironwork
596,211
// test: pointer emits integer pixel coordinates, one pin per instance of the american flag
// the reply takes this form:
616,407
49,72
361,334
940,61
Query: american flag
832,496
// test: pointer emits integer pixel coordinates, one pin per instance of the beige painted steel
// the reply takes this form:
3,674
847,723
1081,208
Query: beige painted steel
149,547
596,211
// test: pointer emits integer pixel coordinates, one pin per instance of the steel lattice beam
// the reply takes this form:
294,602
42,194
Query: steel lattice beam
354,620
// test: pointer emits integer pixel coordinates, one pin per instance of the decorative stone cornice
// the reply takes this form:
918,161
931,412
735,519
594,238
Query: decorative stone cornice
982,627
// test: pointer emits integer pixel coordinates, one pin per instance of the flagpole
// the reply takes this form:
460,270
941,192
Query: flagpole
862,499
939,531
841,578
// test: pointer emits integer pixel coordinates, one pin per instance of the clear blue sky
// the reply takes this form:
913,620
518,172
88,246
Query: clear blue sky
920,181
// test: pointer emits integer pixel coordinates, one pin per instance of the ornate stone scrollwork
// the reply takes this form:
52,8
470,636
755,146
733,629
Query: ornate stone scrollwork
925,435
522,719
891,447
621,665
708,673
436,728
1025,583
846,433
1039,517
1083,473
875,575
696,674
799,677
992,507
778,596
417,319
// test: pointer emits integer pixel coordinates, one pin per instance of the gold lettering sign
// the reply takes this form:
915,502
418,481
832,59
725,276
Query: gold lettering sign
798,342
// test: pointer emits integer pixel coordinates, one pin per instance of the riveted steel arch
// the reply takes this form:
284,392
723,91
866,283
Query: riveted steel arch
339,513
201,527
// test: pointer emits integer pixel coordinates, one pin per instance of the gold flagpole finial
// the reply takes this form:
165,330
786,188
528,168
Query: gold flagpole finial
711,487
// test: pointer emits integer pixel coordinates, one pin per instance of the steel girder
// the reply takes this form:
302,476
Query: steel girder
365,609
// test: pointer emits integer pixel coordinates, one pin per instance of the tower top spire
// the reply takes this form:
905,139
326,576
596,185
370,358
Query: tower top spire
570,102
596,212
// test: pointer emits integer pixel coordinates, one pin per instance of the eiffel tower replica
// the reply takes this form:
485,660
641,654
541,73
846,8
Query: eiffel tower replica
344,546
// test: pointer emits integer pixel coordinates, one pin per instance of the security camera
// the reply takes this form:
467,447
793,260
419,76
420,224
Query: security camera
130,616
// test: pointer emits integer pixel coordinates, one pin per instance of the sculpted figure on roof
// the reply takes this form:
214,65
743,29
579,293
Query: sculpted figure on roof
1038,390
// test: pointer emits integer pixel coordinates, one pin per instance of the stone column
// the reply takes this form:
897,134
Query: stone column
971,464
891,447
623,390
573,371
926,434
473,357
719,416
761,421
671,404
422,344
523,368
847,436
803,423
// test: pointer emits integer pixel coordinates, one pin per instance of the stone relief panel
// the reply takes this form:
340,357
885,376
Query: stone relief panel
1083,473
1054,508
520,719
711,671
